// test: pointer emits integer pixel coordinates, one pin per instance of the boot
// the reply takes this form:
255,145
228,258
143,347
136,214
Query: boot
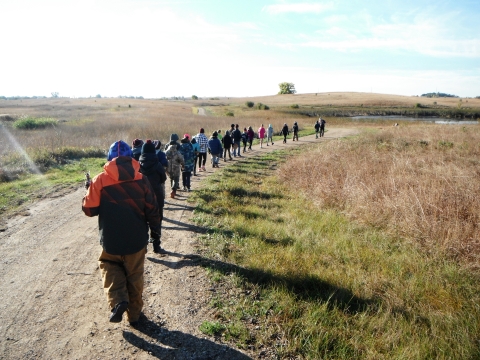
172,194
156,247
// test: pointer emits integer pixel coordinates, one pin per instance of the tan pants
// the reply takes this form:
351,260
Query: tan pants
122,277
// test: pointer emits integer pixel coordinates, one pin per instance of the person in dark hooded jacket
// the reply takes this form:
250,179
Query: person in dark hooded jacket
173,141
155,172
227,144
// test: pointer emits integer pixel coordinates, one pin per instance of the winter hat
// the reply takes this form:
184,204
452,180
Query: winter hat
137,143
202,130
215,134
119,148
157,144
186,136
148,147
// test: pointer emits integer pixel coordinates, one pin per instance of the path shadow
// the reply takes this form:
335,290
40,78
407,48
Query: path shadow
306,288
183,226
167,344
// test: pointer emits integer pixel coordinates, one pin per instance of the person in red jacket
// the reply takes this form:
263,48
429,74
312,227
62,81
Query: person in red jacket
261,135
126,206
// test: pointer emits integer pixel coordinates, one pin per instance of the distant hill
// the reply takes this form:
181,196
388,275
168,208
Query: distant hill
438,95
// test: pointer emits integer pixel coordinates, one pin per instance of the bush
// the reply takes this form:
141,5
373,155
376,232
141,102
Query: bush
294,106
29,123
194,97
250,104
229,113
261,106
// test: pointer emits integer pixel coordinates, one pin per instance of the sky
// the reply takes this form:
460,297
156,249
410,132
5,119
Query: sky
163,48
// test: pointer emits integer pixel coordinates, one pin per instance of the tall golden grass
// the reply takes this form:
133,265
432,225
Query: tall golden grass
99,122
418,182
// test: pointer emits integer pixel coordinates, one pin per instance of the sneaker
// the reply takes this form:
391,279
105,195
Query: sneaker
267,144
272,143
117,312
172,194
188,189
203,168
184,188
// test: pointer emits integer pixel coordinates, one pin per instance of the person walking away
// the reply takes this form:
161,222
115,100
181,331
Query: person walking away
285,132
237,138
270,134
186,149
162,158
125,204
322,127
155,173
295,131
227,144
175,164
173,141
317,128
202,141
251,135
137,148
215,149
261,135
117,150
196,149
244,139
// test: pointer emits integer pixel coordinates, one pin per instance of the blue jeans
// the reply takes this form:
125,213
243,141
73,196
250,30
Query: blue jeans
236,148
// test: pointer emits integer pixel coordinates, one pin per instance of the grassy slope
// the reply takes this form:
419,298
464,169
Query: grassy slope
313,284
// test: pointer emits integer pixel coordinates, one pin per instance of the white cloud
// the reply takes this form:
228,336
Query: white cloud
298,8
423,35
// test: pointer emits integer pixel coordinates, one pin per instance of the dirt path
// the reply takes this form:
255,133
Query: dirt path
51,300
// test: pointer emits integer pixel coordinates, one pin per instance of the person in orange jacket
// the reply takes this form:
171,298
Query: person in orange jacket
126,206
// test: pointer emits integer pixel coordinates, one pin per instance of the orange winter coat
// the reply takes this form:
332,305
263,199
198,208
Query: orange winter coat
125,204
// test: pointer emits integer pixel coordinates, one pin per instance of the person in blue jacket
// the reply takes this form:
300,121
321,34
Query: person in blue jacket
196,150
162,158
215,149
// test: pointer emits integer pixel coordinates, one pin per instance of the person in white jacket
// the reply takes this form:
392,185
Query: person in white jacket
270,134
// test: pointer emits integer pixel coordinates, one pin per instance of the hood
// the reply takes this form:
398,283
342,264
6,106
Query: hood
174,137
122,168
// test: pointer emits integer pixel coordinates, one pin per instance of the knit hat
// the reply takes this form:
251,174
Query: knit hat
186,136
157,144
215,134
119,148
202,130
137,143
148,147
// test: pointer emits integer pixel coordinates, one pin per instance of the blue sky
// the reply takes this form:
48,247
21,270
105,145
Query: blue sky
238,48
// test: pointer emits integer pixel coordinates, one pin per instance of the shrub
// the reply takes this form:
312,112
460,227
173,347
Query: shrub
250,104
261,106
29,123
229,113
294,106
194,97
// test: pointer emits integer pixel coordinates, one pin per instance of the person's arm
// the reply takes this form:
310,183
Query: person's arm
91,200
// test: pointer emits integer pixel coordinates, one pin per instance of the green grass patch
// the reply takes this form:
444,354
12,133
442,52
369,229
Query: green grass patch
312,284
30,123
28,188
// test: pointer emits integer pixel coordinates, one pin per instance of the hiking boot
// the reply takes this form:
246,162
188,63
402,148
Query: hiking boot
117,312
156,247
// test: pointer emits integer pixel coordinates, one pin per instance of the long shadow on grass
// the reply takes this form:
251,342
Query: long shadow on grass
306,288
169,344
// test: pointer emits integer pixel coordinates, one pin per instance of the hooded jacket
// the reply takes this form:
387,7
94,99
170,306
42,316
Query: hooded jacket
155,172
215,146
270,131
186,149
175,161
125,204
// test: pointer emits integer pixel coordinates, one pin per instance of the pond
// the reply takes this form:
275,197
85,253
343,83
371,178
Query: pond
436,120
